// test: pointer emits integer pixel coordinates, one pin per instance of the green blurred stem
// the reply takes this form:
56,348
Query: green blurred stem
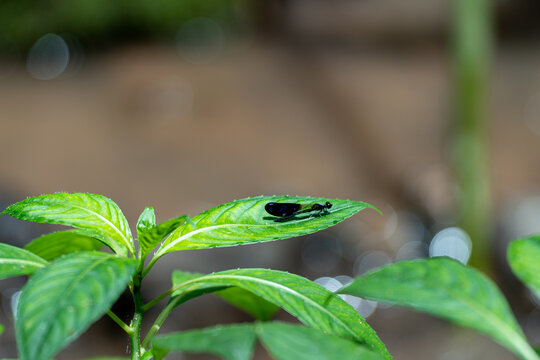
117,320
150,266
158,299
472,35
526,352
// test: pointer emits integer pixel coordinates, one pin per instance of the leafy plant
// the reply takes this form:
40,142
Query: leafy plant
72,284
446,288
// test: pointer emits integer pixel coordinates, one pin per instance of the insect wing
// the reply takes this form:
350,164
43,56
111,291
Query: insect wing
282,209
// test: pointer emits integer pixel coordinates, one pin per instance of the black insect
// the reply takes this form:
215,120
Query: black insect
288,210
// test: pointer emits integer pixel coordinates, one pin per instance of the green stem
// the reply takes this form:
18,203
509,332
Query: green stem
160,320
158,299
150,265
169,292
134,336
472,36
523,349
117,320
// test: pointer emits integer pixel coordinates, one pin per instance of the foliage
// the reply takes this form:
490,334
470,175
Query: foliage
72,284
22,22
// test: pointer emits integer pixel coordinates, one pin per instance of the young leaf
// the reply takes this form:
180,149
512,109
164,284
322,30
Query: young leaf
15,261
295,342
99,216
60,301
311,303
246,221
54,245
231,342
242,299
151,236
524,259
147,220
446,288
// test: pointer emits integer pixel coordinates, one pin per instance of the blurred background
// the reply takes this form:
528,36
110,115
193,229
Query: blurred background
429,110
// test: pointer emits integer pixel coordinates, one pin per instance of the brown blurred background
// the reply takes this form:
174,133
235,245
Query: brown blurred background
183,105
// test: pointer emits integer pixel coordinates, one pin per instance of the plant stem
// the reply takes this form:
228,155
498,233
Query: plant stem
158,299
134,336
168,292
472,38
159,321
523,349
150,265
117,320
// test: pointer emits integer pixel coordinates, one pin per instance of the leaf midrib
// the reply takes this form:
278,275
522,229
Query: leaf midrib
126,241
174,242
19,261
487,315
272,284
494,320
68,291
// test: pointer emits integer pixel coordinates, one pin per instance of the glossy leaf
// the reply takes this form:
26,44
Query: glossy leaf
524,259
15,261
254,305
295,342
60,301
246,221
449,289
152,236
147,220
311,303
99,216
54,245
283,341
242,299
231,342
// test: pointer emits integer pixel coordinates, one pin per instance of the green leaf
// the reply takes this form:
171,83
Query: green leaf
254,305
295,342
54,245
242,299
15,261
99,216
147,220
311,303
246,221
231,342
1,329
149,238
283,341
446,288
524,259
60,301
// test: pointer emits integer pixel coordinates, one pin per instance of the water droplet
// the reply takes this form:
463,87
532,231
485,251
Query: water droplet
452,242
48,58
